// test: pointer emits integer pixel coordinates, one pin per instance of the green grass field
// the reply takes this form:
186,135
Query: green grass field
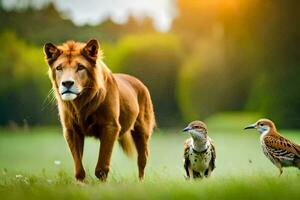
28,169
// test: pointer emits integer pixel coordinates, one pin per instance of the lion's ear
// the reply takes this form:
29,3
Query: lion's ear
52,52
90,51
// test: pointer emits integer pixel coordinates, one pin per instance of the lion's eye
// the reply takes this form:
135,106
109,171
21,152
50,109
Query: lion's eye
59,68
80,67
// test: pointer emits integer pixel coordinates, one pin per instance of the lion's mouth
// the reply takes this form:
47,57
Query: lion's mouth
68,95
69,92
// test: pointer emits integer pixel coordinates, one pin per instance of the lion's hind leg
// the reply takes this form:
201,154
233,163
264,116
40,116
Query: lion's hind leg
140,138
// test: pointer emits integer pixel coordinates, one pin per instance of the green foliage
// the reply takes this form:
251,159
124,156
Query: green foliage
213,80
23,82
218,57
48,25
274,91
243,57
154,59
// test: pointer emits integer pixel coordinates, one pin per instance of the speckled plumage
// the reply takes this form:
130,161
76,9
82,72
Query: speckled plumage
279,150
201,163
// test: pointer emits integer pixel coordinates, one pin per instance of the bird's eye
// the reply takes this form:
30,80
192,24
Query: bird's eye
80,67
196,127
59,68
261,124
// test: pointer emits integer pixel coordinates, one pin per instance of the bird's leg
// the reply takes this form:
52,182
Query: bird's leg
280,171
191,173
207,173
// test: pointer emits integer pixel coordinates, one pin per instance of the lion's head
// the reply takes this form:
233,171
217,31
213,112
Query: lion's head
73,68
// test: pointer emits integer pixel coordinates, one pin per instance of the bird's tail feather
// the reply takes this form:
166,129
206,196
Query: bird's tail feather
298,163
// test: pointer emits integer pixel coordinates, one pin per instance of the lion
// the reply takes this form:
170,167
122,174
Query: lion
93,101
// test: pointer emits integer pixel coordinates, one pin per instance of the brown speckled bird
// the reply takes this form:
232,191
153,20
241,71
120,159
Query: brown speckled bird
281,151
199,151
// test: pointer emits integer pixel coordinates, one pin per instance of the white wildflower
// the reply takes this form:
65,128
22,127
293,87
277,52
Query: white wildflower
19,176
57,162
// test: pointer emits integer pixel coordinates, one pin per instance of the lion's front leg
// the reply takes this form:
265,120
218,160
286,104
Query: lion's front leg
76,143
108,137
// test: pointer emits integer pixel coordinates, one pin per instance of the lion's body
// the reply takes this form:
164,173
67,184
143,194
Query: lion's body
110,106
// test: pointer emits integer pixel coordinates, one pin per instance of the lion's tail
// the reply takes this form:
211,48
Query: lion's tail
127,144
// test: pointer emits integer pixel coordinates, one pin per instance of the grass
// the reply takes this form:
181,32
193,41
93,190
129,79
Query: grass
28,169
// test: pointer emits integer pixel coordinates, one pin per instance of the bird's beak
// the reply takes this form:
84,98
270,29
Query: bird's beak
186,129
252,126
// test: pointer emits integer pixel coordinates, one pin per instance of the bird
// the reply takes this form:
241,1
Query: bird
199,151
281,151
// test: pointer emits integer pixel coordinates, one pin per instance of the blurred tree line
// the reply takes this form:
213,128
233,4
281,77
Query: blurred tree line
243,57
219,56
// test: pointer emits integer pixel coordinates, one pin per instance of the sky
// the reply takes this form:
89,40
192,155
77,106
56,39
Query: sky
93,12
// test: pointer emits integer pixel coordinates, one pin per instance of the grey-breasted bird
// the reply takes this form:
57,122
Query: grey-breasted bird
199,151
281,151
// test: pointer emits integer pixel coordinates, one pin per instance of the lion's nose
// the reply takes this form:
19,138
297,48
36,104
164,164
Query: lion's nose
68,84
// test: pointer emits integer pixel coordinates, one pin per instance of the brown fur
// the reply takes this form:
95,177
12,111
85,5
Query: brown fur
109,106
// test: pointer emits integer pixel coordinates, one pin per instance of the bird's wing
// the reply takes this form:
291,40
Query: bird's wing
213,154
187,162
281,147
